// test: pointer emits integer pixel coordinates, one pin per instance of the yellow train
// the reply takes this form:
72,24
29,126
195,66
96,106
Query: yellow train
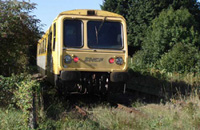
85,51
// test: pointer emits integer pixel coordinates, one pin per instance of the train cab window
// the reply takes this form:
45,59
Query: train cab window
104,35
73,33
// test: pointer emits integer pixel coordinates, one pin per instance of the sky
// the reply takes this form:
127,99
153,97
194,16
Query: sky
47,10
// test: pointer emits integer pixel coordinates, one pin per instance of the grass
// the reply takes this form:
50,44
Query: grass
182,113
177,113
11,119
192,79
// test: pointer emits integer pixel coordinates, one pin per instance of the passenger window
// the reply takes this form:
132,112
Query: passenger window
44,45
40,48
54,36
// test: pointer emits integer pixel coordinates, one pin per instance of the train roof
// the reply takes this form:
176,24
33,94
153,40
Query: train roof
84,12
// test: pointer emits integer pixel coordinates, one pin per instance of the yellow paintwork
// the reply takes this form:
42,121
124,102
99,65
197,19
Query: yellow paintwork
83,12
85,51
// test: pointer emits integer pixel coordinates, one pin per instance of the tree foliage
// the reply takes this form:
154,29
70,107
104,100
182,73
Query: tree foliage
169,29
117,6
140,15
181,58
19,32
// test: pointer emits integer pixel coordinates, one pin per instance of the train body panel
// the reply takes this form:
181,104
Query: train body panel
94,61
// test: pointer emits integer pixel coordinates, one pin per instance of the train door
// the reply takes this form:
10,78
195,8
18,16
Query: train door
49,58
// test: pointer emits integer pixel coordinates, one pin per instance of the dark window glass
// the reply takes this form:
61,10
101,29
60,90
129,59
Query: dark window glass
49,41
54,36
105,35
73,33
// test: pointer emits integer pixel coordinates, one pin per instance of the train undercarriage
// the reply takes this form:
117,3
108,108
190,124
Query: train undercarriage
91,82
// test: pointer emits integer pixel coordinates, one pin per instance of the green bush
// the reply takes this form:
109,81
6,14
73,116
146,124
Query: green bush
17,91
171,43
170,28
19,33
8,87
140,61
182,58
24,96
11,119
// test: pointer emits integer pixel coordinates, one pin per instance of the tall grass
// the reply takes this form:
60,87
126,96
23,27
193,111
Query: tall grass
178,113
11,119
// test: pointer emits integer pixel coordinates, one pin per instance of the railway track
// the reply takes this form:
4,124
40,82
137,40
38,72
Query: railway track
85,114
81,111
130,110
120,102
81,103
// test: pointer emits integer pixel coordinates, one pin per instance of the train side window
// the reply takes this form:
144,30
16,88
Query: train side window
54,36
40,48
44,45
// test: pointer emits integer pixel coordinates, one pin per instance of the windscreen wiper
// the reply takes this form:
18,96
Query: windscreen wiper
97,31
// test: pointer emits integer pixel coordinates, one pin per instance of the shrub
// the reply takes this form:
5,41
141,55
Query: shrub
8,87
164,38
19,33
24,96
182,58
18,91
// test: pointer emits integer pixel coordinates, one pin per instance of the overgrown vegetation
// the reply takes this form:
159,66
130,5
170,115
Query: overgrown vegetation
18,92
170,45
11,119
166,37
19,32
178,113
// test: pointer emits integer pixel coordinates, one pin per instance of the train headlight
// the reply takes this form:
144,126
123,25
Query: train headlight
68,59
119,60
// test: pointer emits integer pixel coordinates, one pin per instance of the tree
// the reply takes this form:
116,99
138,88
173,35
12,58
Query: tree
19,33
118,6
170,28
140,15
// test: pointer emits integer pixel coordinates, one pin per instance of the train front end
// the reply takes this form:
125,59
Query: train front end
93,51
